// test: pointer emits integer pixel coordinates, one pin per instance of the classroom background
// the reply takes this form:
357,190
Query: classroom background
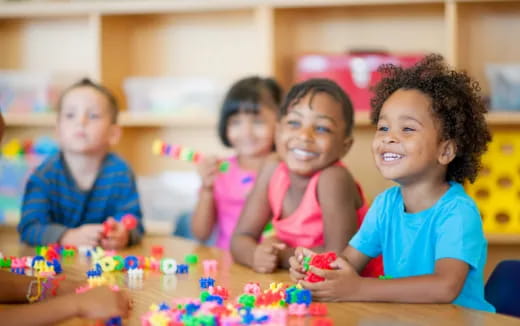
169,63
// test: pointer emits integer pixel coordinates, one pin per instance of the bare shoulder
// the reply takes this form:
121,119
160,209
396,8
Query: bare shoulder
337,181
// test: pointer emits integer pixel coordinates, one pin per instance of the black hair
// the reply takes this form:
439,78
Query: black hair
320,85
456,104
246,95
86,82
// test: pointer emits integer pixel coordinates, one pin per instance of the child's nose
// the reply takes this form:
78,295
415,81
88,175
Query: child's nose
306,133
390,138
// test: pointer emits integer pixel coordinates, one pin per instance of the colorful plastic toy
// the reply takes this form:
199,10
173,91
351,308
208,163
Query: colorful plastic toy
191,259
206,282
318,309
182,153
157,251
169,266
182,269
210,266
321,261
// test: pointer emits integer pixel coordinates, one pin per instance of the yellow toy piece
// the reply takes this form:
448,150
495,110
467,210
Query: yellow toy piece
497,188
156,147
12,149
108,264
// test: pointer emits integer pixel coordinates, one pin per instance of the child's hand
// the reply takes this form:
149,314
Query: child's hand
266,255
208,169
102,303
85,235
340,284
117,238
296,270
67,286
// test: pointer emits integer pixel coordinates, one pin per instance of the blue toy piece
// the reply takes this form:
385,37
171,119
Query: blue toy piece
503,286
215,298
182,269
93,273
36,259
164,306
206,282
115,321
131,262
18,270
191,308
304,296
57,266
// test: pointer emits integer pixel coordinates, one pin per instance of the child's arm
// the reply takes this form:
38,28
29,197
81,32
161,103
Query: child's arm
255,215
337,195
344,284
36,227
204,216
128,203
98,303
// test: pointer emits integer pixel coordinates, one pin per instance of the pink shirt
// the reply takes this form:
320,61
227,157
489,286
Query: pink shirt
230,192
304,227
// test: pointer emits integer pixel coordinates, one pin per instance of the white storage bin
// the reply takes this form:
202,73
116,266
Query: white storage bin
504,80
175,95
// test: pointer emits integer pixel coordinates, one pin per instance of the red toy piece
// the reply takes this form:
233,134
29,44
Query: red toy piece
318,309
321,261
220,291
108,226
157,251
129,221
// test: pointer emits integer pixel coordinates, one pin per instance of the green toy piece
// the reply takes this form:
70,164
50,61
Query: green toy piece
191,259
385,277
224,166
306,263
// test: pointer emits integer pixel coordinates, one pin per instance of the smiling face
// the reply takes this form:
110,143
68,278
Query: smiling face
312,135
407,147
252,134
84,122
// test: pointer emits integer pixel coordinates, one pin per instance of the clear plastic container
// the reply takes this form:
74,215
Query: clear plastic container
25,92
504,81
166,197
176,95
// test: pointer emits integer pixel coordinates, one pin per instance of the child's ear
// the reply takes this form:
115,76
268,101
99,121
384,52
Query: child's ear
448,152
114,134
347,144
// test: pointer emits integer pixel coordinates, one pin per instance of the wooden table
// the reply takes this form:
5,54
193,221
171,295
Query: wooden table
156,288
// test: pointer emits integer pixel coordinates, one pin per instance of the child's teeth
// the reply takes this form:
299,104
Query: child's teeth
303,153
391,156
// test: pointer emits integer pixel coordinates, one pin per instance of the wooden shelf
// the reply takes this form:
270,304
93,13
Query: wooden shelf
503,239
75,8
503,118
125,120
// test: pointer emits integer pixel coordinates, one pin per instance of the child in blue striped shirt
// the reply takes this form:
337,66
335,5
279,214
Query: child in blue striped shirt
72,193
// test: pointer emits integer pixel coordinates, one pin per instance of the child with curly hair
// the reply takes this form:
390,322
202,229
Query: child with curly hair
431,133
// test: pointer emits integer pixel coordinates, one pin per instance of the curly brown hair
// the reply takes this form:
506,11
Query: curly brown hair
456,103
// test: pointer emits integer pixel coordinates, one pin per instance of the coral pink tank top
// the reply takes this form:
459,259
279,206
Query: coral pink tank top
304,227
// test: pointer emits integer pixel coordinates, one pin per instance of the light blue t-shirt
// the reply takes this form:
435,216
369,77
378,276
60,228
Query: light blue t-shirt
411,243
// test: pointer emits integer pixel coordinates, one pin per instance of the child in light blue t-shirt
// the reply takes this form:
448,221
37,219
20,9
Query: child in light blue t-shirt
431,133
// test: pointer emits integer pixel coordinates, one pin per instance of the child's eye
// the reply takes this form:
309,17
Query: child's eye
234,122
382,128
94,115
293,123
69,115
408,129
321,129
258,121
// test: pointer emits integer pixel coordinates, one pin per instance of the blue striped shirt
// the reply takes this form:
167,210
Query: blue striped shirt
53,203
